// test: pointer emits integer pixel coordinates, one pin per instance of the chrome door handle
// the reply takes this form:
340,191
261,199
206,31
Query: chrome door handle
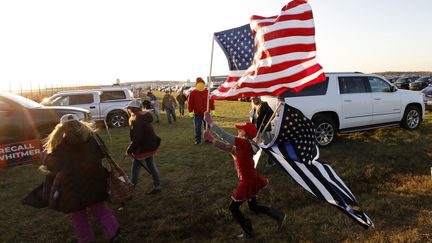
347,100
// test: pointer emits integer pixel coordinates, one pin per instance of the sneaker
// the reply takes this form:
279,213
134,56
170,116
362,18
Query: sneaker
197,142
154,191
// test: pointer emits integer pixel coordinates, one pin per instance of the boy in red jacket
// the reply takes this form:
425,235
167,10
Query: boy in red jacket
197,104
250,182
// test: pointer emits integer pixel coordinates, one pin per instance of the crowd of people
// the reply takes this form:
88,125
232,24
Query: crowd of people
74,159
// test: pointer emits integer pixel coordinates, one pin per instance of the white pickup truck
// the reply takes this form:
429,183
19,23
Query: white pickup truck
104,104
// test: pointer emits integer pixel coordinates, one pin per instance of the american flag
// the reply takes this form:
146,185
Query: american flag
271,54
294,148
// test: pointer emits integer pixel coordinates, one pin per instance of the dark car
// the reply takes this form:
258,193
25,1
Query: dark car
420,83
403,82
427,97
23,123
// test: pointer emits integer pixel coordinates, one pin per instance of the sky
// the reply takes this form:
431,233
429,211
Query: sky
98,41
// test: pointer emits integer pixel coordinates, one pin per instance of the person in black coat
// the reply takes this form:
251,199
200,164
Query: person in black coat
260,115
74,159
144,143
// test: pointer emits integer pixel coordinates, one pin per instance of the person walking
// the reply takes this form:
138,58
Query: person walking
197,104
169,105
80,185
154,104
144,143
250,182
181,99
260,115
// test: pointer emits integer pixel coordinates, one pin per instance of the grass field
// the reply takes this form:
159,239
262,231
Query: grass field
388,170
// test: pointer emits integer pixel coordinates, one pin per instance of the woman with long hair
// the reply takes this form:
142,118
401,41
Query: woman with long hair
80,184
144,143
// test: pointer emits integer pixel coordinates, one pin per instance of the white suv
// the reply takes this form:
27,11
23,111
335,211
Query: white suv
349,102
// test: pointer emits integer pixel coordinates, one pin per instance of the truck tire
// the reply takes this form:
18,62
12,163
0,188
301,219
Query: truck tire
117,119
325,130
412,118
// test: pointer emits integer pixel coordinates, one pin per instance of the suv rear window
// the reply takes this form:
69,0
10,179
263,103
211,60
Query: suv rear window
352,85
316,89
113,95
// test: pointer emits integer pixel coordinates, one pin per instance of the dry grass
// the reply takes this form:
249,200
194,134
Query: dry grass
387,169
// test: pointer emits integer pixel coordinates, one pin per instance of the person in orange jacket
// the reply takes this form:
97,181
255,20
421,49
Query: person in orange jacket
197,105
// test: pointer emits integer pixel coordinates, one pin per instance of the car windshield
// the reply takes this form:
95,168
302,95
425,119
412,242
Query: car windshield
427,91
22,100
423,79
401,80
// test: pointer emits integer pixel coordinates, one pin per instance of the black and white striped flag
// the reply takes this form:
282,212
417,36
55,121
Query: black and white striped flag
294,148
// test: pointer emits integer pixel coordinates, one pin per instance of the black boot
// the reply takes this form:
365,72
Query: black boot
278,216
248,230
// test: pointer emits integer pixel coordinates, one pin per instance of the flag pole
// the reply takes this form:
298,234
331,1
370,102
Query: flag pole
210,79
270,120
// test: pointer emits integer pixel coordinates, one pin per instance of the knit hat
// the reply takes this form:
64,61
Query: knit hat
249,128
199,80
68,118
134,103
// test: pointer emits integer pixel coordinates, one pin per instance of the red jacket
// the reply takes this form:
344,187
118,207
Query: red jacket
197,102
250,181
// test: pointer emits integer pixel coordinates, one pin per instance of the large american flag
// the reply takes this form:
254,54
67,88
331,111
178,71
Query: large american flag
294,148
271,54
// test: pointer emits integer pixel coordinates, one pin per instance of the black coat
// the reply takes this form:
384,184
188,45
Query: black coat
80,177
142,135
264,114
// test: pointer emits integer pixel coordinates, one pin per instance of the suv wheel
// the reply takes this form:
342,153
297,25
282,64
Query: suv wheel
325,131
117,119
411,119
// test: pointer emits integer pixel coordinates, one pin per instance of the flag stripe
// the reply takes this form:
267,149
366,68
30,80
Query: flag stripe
268,21
338,182
333,173
274,90
287,49
297,28
334,191
311,185
285,41
290,64
290,170
296,74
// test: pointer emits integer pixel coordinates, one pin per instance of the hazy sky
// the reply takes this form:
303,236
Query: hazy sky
98,41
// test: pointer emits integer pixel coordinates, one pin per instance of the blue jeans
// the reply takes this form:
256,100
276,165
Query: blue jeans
181,109
198,123
170,112
151,165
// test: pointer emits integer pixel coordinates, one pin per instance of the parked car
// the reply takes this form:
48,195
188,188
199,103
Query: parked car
23,123
403,82
349,102
420,83
104,104
427,97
